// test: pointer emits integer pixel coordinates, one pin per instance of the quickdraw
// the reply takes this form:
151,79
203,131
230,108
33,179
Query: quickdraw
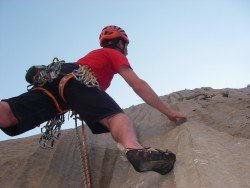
39,75
49,73
85,76
51,132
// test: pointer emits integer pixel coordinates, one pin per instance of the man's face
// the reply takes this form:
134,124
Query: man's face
126,49
123,46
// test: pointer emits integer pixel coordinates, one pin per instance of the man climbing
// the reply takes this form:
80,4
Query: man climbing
81,87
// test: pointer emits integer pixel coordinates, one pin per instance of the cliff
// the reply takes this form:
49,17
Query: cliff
212,148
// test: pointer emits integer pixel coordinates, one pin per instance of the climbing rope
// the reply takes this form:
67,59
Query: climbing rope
84,152
52,131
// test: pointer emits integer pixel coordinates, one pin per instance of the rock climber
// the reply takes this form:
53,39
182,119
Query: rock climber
80,87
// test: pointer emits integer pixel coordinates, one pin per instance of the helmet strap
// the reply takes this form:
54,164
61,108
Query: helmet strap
114,44
122,50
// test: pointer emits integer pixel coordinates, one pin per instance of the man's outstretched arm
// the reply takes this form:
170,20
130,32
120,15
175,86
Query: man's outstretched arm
142,89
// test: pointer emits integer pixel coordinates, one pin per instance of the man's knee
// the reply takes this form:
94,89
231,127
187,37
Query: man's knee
7,119
120,118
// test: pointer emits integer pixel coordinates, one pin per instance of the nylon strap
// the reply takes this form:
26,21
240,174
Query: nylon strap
53,99
62,84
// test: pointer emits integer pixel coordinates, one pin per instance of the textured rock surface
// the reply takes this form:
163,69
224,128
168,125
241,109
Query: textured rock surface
212,148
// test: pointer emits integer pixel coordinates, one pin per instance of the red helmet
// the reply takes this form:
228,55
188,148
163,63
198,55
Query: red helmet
112,32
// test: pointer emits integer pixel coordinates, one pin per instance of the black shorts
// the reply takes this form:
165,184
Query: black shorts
35,107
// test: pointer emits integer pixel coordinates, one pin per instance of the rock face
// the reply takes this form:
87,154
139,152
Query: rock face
212,148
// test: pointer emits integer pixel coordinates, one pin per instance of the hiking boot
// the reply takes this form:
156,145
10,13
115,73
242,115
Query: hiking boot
149,159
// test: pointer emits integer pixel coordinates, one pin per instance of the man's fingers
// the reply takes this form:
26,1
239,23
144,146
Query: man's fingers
180,121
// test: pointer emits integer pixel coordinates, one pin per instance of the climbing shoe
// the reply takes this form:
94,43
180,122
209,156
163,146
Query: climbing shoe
149,159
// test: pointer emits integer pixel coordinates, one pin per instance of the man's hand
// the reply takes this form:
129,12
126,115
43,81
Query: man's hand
176,116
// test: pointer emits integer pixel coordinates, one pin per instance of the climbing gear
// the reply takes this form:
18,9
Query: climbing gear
83,150
149,159
62,84
83,74
51,132
112,32
49,94
38,75
33,73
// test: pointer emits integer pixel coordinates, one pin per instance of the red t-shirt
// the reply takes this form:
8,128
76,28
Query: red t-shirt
104,63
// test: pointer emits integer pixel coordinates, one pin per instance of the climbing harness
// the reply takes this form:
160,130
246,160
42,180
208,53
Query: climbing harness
39,75
49,94
51,131
83,74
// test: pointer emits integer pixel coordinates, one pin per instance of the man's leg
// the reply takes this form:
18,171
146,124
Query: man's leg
25,112
7,119
101,113
142,159
121,128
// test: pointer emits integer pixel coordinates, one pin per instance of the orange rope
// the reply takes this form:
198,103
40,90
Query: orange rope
86,165
84,153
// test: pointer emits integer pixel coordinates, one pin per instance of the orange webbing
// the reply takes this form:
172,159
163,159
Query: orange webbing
62,84
53,99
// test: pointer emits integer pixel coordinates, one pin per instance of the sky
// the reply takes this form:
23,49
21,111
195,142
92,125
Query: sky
174,45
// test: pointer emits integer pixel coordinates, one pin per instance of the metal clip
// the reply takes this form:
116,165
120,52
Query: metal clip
51,132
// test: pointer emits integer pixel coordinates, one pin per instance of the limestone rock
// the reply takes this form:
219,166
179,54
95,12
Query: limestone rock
212,148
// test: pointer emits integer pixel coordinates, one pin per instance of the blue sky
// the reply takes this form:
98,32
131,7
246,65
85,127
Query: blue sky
175,45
